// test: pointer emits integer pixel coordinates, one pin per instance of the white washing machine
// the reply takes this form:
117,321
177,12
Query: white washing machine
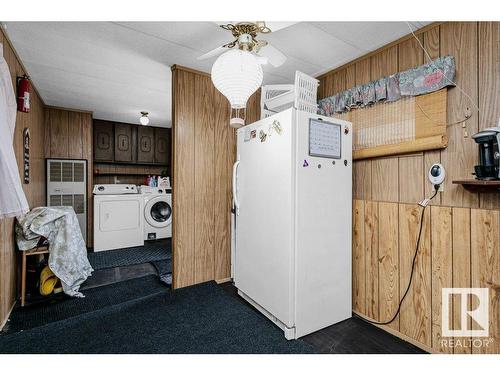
157,212
118,215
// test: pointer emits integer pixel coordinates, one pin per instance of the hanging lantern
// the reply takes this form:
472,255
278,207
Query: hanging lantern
144,119
237,74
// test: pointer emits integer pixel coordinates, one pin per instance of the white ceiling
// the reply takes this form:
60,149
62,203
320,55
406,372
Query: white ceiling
117,69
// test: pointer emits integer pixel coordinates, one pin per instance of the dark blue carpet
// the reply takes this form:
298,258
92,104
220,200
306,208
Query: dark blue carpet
64,307
151,251
198,319
164,270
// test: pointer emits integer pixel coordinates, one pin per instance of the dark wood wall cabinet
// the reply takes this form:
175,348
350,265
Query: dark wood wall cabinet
131,144
104,141
146,144
162,146
123,143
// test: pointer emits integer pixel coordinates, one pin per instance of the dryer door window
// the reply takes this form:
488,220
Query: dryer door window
161,212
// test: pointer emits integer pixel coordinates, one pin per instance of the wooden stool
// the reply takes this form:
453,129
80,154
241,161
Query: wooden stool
26,254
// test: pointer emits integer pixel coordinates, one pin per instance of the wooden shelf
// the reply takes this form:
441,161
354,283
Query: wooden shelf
122,174
37,250
479,185
131,163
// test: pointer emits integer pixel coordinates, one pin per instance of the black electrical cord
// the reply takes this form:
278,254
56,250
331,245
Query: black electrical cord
412,269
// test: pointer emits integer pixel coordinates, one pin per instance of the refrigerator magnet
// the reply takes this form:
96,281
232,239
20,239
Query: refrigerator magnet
277,127
262,136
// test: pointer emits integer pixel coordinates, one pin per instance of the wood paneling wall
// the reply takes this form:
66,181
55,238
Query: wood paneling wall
203,152
458,248
461,229
35,190
476,49
68,135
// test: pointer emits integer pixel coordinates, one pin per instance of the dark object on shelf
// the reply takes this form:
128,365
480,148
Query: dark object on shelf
489,154
483,186
120,174
42,242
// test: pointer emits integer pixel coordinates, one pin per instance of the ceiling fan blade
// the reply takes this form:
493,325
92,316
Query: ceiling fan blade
274,56
215,52
262,60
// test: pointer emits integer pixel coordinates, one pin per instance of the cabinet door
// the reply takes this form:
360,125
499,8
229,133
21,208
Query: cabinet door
123,143
145,144
162,146
103,141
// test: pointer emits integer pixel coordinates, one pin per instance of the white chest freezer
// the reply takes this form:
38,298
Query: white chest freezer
292,189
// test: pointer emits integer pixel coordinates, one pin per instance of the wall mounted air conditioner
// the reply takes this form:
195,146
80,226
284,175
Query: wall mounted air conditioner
67,186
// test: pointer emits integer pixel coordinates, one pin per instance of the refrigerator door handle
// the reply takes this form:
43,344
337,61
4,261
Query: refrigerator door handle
236,204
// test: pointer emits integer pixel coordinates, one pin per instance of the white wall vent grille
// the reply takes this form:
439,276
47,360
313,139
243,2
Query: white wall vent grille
67,186
55,171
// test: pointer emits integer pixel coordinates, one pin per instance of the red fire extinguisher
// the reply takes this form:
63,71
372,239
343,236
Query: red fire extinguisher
23,93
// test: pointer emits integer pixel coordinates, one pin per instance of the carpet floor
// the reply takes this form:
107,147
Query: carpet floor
151,251
198,319
351,336
164,270
64,307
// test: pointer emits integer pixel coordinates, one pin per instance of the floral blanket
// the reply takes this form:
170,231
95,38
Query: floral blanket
67,251
423,79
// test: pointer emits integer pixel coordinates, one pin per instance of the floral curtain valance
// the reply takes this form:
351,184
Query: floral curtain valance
423,79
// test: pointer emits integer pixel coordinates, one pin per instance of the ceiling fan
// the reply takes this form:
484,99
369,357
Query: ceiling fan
246,40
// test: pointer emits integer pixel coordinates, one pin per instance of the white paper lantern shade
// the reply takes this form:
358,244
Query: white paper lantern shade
237,75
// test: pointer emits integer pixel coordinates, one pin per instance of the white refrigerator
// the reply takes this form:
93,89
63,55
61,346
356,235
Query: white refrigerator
292,224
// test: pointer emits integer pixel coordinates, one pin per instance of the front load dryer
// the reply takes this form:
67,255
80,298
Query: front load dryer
157,212
118,220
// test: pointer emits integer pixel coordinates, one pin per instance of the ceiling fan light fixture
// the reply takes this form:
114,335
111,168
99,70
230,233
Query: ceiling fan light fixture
237,75
144,119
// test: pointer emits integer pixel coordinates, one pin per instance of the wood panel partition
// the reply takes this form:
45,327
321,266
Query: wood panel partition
461,236
203,152
35,190
458,248
68,135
